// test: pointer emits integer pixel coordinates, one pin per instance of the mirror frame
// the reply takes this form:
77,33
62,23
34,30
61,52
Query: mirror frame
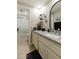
50,14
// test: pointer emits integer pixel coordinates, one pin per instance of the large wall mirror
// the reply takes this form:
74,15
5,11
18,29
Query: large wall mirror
55,16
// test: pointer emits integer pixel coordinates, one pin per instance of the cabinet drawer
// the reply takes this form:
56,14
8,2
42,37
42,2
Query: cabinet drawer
51,55
53,46
42,50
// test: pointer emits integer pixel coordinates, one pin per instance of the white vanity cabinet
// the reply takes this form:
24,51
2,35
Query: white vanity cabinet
47,48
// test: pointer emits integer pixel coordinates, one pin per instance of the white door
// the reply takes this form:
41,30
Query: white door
23,22
22,25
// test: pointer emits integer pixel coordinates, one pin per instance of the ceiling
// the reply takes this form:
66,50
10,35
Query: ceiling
33,3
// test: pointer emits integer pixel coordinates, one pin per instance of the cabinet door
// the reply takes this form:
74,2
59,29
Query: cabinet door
51,55
42,50
35,40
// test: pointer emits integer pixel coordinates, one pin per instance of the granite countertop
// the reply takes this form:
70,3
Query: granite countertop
50,35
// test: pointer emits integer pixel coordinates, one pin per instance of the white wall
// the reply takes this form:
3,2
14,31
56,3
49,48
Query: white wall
34,13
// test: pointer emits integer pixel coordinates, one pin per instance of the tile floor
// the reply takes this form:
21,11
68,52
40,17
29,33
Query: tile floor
23,47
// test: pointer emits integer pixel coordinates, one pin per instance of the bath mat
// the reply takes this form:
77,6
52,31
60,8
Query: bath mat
33,55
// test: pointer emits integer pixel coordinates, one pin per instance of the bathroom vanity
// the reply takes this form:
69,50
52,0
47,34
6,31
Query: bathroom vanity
47,44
